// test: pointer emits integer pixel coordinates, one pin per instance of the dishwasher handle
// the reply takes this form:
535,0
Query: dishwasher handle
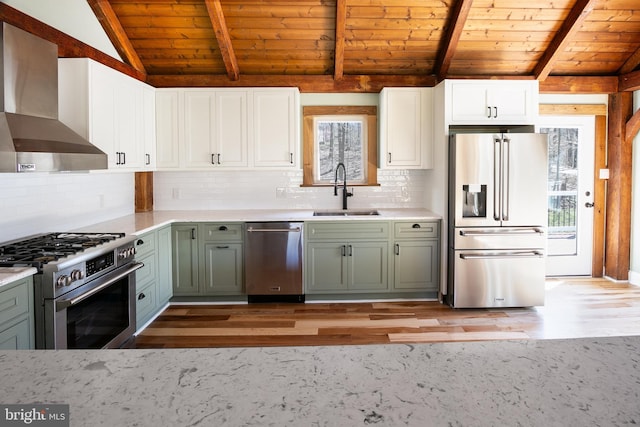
274,230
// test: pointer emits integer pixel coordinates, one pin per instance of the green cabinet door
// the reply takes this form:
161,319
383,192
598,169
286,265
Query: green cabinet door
326,267
17,315
416,265
164,287
222,269
368,262
185,259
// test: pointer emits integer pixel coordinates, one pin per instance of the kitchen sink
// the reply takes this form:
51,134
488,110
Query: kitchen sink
346,213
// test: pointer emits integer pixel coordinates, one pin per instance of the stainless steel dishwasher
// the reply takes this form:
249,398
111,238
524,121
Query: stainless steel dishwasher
273,261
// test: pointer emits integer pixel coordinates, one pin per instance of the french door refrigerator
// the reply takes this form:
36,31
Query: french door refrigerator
497,219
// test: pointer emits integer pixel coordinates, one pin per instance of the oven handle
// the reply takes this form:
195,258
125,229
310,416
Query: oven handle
65,303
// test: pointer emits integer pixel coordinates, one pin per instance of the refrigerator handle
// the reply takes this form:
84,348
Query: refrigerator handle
503,255
502,231
506,175
497,178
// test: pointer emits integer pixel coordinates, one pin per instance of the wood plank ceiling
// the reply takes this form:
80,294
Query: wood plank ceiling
362,45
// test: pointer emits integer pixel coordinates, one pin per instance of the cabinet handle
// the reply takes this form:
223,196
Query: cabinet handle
343,250
148,159
193,234
489,112
223,228
218,158
350,250
223,247
415,226
213,159
397,245
141,296
496,112
291,158
140,242
124,158
389,158
118,158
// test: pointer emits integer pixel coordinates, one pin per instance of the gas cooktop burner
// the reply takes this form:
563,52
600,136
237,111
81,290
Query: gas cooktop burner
39,250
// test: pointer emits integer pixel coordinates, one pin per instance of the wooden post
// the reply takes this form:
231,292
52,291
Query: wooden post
144,191
618,215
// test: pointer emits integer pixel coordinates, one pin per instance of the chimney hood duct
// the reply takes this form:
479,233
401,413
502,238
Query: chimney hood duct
32,139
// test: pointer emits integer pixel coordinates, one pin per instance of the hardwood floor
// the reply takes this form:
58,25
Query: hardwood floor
573,308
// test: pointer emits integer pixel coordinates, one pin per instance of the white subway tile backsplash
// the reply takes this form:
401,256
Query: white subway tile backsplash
280,190
38,203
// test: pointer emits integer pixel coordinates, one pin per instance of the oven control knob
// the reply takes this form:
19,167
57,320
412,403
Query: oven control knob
63,280
77,275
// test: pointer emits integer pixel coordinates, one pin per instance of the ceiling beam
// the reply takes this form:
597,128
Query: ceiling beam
68,47
579,84
224,39
631,63
341,26
306,83
629,82
459,14
569,28
111,25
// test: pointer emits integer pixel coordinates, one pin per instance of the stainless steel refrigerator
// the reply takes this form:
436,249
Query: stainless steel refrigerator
497,219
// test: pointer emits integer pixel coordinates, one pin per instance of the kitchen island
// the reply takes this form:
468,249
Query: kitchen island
590,381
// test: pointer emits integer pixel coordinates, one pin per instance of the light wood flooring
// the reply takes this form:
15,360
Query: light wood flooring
573,308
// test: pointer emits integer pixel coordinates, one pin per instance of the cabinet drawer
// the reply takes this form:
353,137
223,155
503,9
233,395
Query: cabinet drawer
416,230
145,244
14,300
145,302
146,273
17,337
347,230
222,232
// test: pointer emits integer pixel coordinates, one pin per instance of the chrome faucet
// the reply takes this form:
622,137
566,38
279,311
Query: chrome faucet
345,193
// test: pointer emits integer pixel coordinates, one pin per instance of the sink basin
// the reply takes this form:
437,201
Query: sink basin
346,213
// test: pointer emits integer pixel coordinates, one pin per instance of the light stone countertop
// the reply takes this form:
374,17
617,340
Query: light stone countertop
581,382
143,222
11,274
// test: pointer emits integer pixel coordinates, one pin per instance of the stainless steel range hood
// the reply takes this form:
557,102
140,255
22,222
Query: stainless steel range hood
32,139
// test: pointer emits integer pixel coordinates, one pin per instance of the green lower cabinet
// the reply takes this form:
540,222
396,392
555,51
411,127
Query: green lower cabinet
223,269
416,265
17,315
347,267
153,280
185,259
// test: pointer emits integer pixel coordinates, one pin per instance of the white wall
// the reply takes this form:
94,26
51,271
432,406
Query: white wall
73,17
634,268
48,202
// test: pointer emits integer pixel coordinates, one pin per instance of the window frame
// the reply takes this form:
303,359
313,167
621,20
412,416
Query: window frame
310,113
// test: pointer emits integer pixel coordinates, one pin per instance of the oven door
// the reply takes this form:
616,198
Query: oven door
100,314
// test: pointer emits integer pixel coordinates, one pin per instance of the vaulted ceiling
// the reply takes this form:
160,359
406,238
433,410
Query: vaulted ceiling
362,45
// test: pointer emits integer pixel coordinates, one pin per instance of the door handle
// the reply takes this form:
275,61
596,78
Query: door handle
589,205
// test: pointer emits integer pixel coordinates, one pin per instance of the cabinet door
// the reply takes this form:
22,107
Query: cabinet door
163,282
275,127
18,336
149,127
185,259
230,126
222,269
146,304
102,111
406,128
469,102
326,267
167,129
129,144
199,112
416,265
512,103
368,262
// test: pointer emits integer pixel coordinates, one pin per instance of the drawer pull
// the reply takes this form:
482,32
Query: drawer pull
415,226
223,228
141,296
140,242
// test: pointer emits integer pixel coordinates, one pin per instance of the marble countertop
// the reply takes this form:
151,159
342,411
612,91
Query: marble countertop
11,274
142,222
584,382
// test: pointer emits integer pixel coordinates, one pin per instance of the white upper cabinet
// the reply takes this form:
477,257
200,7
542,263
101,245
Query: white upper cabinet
406,128
275,127
227,128
167,129
215,129
108,108
492,101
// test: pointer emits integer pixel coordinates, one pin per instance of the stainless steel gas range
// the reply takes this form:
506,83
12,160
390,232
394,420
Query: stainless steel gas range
84,289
